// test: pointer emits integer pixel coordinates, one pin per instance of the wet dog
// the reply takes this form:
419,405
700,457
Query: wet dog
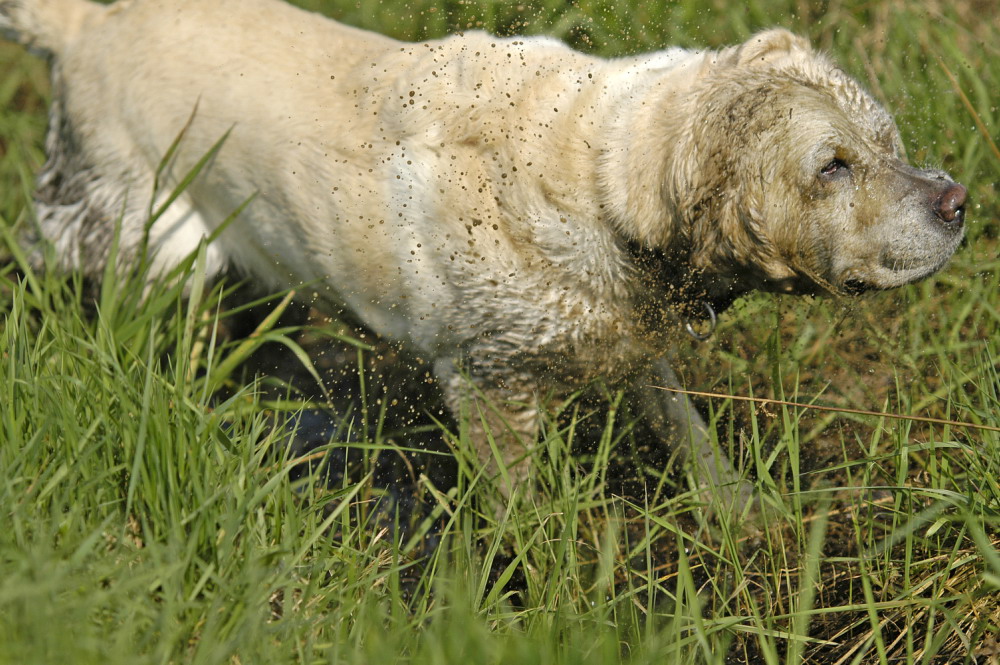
529,217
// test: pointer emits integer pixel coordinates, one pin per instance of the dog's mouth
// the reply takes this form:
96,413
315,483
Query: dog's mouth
890,275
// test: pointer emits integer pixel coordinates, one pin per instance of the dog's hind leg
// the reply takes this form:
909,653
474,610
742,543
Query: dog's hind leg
89,208
46,26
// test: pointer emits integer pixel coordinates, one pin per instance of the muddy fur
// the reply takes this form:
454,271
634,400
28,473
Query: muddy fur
530,217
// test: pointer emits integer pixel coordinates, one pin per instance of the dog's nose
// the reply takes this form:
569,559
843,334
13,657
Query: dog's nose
950,206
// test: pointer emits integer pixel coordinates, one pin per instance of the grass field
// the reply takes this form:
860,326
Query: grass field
150,511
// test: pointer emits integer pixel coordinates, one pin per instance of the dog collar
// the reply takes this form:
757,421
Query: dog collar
713,322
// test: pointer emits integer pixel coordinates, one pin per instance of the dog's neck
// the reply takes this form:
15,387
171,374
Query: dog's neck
668,285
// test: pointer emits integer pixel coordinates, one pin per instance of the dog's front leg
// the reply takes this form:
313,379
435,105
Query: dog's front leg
502,417
675,421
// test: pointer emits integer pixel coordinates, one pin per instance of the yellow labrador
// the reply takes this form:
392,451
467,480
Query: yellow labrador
531,217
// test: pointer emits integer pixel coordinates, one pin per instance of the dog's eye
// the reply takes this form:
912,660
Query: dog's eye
836,166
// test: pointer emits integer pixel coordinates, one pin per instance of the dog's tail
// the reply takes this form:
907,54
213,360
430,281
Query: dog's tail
46,26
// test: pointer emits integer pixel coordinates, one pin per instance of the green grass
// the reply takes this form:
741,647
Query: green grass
149,518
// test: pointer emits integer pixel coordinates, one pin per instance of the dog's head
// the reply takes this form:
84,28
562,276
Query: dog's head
796,180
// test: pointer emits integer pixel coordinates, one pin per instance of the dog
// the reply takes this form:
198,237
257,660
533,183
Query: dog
530,217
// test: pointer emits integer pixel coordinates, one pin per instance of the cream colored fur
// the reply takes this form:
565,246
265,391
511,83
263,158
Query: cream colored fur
531,217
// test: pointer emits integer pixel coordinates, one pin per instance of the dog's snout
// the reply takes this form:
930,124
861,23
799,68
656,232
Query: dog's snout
950,205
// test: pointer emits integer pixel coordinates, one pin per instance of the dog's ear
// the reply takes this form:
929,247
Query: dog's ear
770,46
